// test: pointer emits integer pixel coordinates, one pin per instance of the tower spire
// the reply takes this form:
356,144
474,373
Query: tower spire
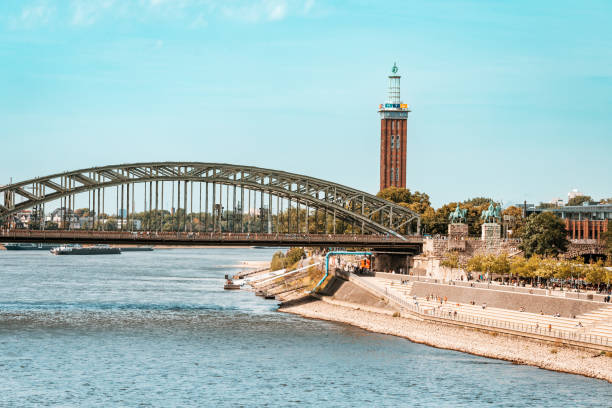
394,85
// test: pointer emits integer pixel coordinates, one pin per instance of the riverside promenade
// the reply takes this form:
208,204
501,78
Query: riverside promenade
386,305
587,324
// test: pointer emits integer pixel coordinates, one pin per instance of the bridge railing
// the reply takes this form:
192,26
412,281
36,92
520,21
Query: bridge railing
446,315
202,236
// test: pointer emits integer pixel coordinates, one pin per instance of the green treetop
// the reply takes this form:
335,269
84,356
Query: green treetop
578,200
544,234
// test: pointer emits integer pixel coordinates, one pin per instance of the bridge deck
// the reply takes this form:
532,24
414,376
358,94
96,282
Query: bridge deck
411,243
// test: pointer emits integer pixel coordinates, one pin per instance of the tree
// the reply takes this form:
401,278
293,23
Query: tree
110,225
499,264
544,234
286,261
490,265
596,274
546,268
475,207
278,261
578,200
396,195
476,264
294,255
525,268
451,260
567,270
547,205
478,201
417,201
516,221
81,212
518,266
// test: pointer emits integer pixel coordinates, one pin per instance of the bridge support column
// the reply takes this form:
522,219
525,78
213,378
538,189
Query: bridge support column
399,263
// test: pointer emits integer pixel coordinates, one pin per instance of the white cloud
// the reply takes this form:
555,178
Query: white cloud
87,12
194,13
33,15
253,12
277,11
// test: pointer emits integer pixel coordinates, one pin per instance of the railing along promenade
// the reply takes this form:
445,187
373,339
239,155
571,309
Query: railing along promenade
463,319
411,243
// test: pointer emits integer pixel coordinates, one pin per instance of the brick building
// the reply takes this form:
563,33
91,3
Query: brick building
581,221
393,121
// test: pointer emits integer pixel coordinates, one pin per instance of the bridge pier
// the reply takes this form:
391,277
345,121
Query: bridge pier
388,261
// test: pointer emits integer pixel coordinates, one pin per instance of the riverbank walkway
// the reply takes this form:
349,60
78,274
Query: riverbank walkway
596,322
592,327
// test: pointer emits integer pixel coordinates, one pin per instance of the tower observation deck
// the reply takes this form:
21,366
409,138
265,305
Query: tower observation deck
393,121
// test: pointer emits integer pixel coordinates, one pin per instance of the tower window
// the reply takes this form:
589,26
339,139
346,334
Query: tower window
391,174
397,175
397,143
392,138
392,125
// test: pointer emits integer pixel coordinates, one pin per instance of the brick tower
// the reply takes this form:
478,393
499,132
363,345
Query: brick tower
393,121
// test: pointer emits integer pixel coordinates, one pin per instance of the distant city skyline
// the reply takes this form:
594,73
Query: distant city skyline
508,100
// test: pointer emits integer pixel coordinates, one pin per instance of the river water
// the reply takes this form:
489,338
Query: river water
157,329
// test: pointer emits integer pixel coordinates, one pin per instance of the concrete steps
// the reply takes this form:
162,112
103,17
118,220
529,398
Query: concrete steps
504,315
598,322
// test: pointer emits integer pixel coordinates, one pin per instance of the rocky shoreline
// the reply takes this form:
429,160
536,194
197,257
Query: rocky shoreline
518,350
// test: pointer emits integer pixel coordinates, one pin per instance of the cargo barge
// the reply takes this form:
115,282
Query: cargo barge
79,250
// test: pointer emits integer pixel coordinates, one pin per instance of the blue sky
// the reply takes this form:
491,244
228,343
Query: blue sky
509,99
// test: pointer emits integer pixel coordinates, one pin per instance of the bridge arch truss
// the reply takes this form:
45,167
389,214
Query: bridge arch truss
365,212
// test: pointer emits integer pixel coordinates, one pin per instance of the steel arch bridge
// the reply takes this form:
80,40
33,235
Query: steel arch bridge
370,213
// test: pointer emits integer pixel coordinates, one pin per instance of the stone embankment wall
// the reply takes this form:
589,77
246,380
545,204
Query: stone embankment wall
437,247
346,291
591,297
585,296
576,249
506,300
428,263
434,250
473,246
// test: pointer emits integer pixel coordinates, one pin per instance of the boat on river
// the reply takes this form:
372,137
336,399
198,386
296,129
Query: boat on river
79,250
136,249
231,284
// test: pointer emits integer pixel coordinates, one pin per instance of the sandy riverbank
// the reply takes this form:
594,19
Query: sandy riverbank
254,264
509,348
